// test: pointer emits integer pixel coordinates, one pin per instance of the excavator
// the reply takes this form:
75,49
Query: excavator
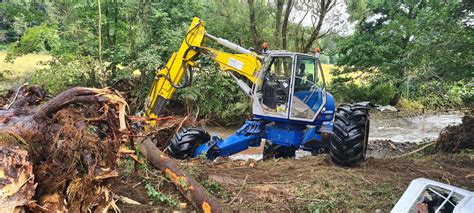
291,106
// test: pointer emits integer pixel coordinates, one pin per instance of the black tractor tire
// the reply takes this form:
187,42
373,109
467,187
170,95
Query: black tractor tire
271,151
184,142
348,142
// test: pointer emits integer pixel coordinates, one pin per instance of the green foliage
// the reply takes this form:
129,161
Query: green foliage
408,105
158,197
216,96
425,41
443,95
321,206
17,16
36,39
63,74
377,93
216,189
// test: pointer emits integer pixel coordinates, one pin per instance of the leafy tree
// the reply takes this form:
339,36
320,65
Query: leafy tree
412,38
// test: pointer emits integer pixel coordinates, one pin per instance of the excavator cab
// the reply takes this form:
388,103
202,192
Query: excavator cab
290,105
291,86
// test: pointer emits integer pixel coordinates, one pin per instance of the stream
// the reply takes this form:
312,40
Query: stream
383,126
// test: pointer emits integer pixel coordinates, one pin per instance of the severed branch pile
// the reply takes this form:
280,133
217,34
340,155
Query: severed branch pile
62,154
457,137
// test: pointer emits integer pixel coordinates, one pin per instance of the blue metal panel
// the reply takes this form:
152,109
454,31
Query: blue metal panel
249,134
237,143
329,107
312,134
285,134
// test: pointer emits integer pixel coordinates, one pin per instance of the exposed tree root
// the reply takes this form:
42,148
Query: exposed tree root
71,144
17,185
59,156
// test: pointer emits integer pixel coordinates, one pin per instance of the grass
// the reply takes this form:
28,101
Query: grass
157,197
21,70
327,68
216,189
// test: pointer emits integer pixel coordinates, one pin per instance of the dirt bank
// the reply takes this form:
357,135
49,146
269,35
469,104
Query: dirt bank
310,182
313,183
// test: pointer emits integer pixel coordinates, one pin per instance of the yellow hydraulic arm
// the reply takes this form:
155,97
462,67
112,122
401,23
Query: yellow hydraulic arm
170,77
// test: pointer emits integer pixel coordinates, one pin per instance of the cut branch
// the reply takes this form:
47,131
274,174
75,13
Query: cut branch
190,188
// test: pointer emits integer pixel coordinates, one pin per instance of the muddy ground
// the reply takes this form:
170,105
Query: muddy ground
305,184
308,183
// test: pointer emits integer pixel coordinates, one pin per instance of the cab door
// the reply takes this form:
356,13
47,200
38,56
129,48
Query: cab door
273,89
307,99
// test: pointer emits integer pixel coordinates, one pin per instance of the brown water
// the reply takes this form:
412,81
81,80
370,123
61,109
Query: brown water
398,129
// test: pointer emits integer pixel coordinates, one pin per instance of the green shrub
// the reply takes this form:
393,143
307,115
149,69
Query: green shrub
345,92
63,74
442,95
215,96
35,39
410,105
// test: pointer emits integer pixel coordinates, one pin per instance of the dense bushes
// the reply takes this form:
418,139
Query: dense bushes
442,95
417,94
345,92
215,96
62,74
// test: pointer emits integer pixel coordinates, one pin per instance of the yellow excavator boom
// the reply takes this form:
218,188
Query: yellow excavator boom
170,77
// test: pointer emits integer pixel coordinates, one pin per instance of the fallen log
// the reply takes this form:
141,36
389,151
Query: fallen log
190,188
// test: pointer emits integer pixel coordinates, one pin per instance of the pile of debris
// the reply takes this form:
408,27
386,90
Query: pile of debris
455,138
63,154
60,153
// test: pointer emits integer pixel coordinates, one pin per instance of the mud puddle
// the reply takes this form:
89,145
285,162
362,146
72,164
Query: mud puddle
390,133
416,129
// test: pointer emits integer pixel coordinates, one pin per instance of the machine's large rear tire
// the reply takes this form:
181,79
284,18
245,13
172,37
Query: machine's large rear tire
348,143
271,151
184,142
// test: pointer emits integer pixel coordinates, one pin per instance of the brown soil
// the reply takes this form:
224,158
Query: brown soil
388,148
309,183
314,182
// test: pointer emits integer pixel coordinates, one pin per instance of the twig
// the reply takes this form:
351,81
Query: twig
272,182
181,124
238,194
16,96
126,200
26,181
136,184
364,179
414,151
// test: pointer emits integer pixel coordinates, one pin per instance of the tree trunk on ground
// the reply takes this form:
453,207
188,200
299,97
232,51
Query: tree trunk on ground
190,188
63,153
